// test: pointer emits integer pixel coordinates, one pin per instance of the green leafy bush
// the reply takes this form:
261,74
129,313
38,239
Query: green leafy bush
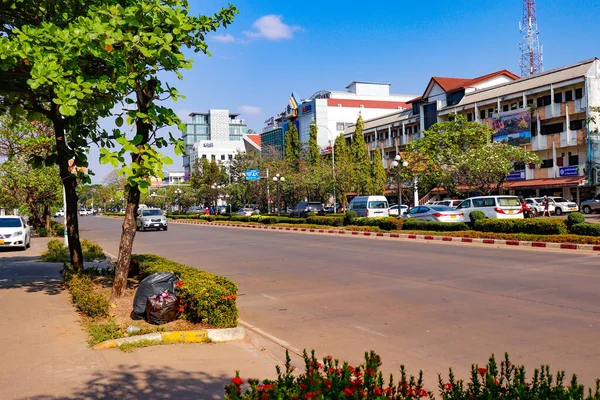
42,232
288,220
240,218
476,216
418,225
384,223
575,218
101,331
57,252
329,379
91,251
349,217
328,221
205,297
91,304
552,226
586,229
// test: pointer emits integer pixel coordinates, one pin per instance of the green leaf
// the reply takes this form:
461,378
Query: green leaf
119,121
137,140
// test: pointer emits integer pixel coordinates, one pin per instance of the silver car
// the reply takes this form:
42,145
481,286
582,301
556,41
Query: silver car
589,206
435,213
151,218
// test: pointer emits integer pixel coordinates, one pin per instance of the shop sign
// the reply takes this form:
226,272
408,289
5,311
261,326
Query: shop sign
253,174
516,176
209,144
569,171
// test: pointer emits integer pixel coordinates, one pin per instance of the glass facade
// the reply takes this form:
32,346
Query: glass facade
272,143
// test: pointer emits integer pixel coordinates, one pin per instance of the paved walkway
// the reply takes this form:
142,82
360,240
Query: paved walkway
45,355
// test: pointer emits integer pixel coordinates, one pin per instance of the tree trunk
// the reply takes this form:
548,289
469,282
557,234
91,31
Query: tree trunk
70,184
126,244
46,216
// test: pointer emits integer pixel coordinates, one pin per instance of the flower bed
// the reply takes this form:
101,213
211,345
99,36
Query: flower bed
330,379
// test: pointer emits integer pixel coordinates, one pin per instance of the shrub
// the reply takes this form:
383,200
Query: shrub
331,379
240,218
329,221
385,223
57,252
391,224
575,218
534,226
418,225
586,229
91,304
42,232
288,220
91,251
205,297
476,216
311,214
349,217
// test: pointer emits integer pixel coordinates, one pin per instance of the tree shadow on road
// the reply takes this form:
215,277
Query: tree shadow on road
136,382
35,277
50,287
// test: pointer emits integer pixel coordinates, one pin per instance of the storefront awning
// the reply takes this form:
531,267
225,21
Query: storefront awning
545,183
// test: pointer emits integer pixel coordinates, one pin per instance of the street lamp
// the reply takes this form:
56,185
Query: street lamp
278,179
178,193
396,163
216,188
332,162
153,195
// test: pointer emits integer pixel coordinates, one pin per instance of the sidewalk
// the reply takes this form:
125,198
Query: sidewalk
45,354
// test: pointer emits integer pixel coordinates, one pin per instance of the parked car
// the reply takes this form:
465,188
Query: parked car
537,203
330,209
59,213
85,211
449,203
304,207
246,212
151,218
500,207
589,206
435,213
370,206
562,205
393,211
14,232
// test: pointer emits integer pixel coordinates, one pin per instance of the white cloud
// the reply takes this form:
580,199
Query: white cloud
271,27
250,110
227,38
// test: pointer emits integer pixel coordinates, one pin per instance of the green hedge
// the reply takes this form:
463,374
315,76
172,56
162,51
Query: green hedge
205,297
535,226
575,218
586,229
91,304
418,225
329,221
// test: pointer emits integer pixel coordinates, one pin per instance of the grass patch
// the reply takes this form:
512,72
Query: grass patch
129,347
98,331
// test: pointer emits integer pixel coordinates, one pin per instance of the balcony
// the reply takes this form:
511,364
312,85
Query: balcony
563,139
237,122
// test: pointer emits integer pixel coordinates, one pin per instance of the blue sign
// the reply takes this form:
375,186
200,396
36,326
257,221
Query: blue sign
516,176
253,174
569,171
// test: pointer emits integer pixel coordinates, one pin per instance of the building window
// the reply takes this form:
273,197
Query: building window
552,128
543,101
469,117
529,102
430,116
454,98
362,106
569,95
339,105
505,108
416,109
533,127
204,156
481,114
576,125
521,104
514,106
339,126
547,163
579,93
558,97
408,130
573,159
222,157
490,112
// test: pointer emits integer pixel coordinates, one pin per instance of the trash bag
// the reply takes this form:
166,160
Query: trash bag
154,284
162,308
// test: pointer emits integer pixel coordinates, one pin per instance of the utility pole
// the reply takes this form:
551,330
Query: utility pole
268,194
531,51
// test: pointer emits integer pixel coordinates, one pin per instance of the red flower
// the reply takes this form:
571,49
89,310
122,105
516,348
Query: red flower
181,309
348,392
422,393
388,391
370,371
195,296
447,386
331,370
482,371
310,395
410,392
357,372
237,381
377,391
496,381
327,383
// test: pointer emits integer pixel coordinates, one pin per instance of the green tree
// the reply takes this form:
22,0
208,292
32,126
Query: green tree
291,151
378,176
314,153
204,174
344,169
361,160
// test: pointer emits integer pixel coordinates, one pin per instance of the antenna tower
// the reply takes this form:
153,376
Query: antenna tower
531,51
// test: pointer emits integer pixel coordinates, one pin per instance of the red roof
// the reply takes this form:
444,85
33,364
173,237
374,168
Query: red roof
484,78
449,85
546,182
256,139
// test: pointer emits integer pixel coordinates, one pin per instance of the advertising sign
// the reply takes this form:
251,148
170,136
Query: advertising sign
569,171
513,127
253,174
269,123
516,176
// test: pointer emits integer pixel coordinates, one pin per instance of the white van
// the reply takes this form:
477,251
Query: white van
499,207
370,206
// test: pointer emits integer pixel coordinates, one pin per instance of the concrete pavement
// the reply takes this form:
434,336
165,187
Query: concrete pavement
45,354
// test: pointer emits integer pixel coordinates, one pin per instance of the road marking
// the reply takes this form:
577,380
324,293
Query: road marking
369,331
268,297
272,338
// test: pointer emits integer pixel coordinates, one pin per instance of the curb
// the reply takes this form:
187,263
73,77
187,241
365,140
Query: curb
200,336
548,245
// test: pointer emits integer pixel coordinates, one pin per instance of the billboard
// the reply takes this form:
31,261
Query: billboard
513,127
253,174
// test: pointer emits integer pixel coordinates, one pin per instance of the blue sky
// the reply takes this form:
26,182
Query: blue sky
274,48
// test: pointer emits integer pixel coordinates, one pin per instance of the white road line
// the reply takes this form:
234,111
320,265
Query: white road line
369,331
268,297
272,338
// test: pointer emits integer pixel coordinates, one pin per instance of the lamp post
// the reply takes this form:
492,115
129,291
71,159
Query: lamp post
396,163
216,188
332,163
178,193
153,195
278,179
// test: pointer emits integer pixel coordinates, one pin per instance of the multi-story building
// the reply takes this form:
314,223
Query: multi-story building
216,134
332,111
170,178
547,113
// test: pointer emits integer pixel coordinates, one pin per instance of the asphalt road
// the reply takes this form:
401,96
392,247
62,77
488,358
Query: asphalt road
426,305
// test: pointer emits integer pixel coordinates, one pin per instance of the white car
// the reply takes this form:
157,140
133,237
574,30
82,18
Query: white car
246,212
537,203
59,213
394,210
84,211
14,232
498,207
562,205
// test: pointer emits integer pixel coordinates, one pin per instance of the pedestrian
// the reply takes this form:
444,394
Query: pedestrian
206,211
212,211
546,207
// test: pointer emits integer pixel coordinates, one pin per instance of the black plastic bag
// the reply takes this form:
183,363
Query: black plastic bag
154,284
162,308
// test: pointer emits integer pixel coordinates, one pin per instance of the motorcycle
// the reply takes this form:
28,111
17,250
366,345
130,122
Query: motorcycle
528,211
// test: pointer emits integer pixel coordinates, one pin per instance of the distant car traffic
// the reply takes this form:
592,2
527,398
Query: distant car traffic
449,203
435,213
85,211
59,213
246,212
304,207
151,218
394,210
537,204
589,206
14,232
370,206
